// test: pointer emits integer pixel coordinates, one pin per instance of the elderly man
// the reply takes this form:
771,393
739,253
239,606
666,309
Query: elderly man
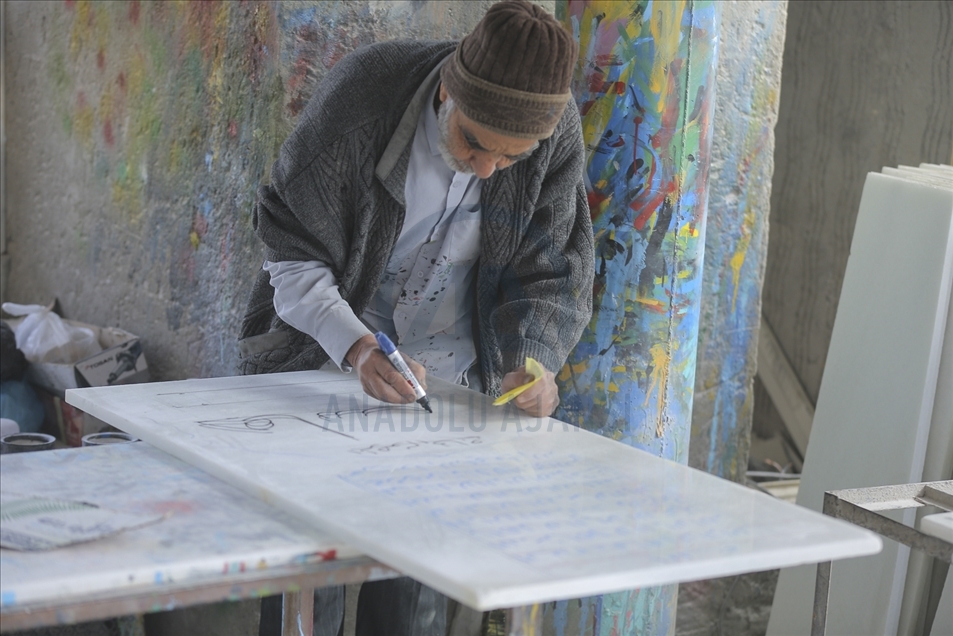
432,191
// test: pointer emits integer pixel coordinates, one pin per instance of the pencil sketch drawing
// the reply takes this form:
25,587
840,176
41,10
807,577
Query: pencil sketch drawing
261,424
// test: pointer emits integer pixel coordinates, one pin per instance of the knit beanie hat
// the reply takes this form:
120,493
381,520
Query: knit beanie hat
511,75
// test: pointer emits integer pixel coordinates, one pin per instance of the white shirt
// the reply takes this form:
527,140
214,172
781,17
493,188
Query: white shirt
426,295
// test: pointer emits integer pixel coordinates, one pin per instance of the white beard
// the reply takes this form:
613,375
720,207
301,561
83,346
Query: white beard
443,127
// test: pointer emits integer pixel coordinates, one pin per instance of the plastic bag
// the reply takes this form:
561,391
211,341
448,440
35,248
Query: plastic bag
44,337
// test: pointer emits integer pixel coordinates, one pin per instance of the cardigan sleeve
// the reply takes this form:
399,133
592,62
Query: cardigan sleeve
545,295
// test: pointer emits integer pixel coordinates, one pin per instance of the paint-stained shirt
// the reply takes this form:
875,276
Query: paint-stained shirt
425,300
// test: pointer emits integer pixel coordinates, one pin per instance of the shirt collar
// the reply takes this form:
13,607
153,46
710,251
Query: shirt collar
431,127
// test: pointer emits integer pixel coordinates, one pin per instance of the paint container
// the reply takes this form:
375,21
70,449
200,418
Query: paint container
112,437
26,442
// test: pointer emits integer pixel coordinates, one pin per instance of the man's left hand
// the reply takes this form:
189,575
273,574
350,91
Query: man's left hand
541,399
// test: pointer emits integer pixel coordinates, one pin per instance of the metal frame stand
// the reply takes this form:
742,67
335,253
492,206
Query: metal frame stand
861,507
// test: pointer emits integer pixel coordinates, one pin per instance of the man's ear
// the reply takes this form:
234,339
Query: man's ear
442,93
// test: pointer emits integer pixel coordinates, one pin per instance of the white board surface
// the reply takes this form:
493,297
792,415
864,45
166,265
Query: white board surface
875,406
489,507
210,530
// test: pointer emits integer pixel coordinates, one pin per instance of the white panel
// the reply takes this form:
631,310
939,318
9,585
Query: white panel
211,529
487,506
943,621
877,395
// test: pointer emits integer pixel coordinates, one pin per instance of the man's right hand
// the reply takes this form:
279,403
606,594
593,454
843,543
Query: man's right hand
378,376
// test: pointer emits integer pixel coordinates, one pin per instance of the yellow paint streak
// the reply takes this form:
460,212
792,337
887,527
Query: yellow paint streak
659,383
665,26
127,197
652,302
569,370
194,240
107,105
688,230
101,23
136,74
738,258
83,123
80,32
216,76
619,368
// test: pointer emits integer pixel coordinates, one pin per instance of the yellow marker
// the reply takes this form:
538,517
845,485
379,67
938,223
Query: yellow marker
533,368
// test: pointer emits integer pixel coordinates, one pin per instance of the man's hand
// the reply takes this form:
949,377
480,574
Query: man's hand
378,376
541,399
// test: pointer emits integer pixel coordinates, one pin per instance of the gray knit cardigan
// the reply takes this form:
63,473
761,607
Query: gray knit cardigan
337,195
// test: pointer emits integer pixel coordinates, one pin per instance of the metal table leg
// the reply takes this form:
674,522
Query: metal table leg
822,590
297,613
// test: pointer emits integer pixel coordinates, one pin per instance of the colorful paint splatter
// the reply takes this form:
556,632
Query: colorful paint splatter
644,86
646,105
178,109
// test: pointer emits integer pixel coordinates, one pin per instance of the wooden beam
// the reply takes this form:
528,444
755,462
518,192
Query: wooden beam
784,387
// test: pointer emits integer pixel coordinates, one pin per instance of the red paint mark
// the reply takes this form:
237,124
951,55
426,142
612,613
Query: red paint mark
101,59
81,99
595,199
241,567
70,4
608,59
596,81
164,507
202,26
232,129
121,80
199,225
598,84
108,133
648,207
617,143
329,555
134,12
586,106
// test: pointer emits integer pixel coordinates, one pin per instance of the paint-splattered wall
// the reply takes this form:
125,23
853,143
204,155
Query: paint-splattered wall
736,244
137,135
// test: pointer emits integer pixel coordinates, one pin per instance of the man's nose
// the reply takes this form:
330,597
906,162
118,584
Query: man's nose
483,166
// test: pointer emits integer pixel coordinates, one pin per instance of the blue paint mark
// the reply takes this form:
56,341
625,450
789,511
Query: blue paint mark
8,597
560,616
158,578
297,18
208,161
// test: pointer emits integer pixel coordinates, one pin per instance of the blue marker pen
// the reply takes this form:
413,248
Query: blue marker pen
398,361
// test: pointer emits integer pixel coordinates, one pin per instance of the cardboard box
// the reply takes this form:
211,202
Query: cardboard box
120,362
67,422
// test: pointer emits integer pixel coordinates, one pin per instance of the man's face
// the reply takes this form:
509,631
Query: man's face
468,147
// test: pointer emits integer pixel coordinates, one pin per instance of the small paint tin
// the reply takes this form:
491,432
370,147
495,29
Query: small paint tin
111,437
26,442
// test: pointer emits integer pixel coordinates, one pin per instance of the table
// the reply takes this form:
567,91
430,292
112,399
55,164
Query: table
862,506
488,506
215,544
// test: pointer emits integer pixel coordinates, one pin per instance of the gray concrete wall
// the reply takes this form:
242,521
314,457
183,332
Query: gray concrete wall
866,85
736,246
